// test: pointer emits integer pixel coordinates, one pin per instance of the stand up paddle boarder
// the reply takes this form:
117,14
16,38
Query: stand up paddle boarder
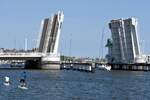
23,79
7,81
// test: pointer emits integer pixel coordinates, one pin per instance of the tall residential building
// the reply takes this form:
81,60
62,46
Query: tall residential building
50,33
124,47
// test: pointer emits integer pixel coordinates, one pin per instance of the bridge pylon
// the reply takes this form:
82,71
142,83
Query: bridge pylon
49,41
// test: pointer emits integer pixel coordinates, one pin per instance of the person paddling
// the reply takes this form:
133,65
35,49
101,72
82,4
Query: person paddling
7,81
23,79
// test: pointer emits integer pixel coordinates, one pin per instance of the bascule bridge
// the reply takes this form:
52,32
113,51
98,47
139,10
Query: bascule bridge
46,56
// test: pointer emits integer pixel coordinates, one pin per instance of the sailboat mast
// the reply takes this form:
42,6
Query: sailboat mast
102,43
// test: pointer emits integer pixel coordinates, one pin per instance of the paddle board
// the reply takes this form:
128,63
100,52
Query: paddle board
6,84
22,87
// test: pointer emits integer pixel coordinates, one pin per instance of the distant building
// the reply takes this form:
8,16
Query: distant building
124,46
50,33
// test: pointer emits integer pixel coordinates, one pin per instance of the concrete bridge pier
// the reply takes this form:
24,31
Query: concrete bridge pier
50,66
51,62
31,64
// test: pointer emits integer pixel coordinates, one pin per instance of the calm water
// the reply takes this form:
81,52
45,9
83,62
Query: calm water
74,85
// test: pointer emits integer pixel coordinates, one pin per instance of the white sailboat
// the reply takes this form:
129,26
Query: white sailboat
104,66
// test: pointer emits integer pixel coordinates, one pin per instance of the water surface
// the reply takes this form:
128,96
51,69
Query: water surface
74,85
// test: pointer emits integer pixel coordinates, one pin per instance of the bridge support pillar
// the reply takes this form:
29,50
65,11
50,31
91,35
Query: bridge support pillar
50,66
38,64
51,61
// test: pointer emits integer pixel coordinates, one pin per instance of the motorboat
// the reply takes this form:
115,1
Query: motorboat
104,67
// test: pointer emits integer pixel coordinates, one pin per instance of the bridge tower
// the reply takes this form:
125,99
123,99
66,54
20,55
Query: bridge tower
49,41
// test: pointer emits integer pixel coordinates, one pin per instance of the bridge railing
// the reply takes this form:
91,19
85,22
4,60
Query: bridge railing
27,54
20,54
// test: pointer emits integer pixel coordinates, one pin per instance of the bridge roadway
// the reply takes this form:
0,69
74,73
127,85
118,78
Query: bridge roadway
21,56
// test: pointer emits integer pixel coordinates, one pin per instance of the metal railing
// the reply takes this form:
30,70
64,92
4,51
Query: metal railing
12,54
27,54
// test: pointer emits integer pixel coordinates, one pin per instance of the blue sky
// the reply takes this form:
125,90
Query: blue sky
83,24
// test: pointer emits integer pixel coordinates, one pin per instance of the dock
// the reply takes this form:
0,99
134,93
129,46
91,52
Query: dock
132,67
84,67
